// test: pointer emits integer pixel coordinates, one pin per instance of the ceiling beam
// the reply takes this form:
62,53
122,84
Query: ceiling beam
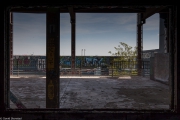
114,10
29,10
146,12
106,10
151,11
77,10
71,12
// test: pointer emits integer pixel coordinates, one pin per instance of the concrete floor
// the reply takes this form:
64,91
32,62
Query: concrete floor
95,92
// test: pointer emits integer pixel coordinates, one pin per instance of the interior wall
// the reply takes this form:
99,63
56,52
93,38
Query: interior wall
160,67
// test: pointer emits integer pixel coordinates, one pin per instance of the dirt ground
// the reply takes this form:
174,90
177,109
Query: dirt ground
95,92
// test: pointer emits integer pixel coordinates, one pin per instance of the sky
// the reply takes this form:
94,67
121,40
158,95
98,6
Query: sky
96,33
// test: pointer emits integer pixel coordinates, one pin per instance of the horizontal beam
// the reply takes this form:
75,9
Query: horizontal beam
106,10
20,10
71,12
150,11
80,10
29,10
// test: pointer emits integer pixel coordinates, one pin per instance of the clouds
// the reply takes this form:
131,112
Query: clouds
97,22
103,32
29,25
98,33
121,18
151,33
109,21
65,25
152,23
124,19
29,33
89,18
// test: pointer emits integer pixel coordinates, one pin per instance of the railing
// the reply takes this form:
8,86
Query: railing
146,68
31,67
115,69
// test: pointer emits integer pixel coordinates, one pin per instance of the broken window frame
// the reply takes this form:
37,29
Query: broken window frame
6,76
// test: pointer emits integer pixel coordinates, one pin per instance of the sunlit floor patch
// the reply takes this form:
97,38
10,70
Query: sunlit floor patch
79,77
125,77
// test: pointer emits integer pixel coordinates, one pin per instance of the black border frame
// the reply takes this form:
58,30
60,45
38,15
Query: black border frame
4,83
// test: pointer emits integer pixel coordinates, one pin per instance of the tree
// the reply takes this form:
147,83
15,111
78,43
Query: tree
125,52
127,57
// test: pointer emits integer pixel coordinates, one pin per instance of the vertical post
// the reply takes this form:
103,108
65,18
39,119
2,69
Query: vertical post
84,52
17,67
163,36
171,59
176,57
81,61
73,44
84,56
139,42
17,60
52,52
11,43
3,69
73,38
7,58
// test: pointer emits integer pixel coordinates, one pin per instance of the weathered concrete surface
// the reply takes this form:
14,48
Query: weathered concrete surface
160,67
31,91
93,92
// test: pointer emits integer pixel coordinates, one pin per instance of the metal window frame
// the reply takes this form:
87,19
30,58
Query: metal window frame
6,82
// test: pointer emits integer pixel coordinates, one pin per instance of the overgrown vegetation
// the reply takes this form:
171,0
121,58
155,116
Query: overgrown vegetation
126,61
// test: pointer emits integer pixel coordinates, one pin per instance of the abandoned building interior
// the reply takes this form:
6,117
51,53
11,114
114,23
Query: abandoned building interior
47,86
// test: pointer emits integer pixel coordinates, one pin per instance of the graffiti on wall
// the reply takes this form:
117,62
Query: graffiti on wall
22,60
28,62
85,60
39,62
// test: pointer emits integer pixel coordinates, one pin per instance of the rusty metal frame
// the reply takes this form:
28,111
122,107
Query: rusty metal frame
140,22
4,83
176,61
173,50
52,55
73,38
2,63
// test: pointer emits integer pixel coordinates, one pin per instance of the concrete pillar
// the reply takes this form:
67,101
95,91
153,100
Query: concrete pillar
52,52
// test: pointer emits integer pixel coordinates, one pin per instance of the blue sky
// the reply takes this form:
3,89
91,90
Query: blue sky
97,33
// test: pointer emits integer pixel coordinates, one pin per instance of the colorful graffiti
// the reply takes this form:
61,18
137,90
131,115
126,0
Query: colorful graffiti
85,61
39,62
27,62
23,60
